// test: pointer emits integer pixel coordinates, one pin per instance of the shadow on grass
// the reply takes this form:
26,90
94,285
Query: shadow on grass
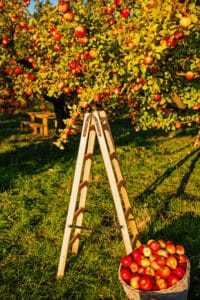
169,171
34,158
185,230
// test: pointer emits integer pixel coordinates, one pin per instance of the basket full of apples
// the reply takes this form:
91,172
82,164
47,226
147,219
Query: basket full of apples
158,270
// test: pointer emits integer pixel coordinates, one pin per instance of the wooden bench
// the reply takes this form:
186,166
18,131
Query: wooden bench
36,127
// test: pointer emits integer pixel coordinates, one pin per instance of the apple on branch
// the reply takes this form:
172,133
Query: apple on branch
63,6
80,31
148,59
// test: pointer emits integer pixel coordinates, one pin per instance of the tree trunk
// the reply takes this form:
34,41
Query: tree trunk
60,109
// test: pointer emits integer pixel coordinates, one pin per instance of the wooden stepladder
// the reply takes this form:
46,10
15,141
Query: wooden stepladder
96,124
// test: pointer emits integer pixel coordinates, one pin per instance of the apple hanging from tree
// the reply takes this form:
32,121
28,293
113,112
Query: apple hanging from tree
125,12
63,6
68,16
80,31
148,59
189,75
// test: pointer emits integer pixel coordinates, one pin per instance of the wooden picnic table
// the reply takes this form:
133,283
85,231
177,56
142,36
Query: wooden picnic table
45,116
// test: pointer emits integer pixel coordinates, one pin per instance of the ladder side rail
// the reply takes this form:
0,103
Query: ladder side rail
74,194
83,192
121,183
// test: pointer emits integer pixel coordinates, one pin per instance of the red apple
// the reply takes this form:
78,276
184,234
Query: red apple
61,85
182,259
72,65
154,245
109,10
162,243
67,90
180,249
111,22
161,284
178,35
178,125
68,131
29,92
125,13
126,260
17,70
2,4
154,265
57,47
134,267
5,40
125,274
164,272
179,271
170,247
189,75
117,90
83,40
134,281
63,6
22,24
145,283
150,271
31,77
173,279
148,59
80,31
160,260
171,262
136,254
141,270
117,2
163,252
68,16
79,90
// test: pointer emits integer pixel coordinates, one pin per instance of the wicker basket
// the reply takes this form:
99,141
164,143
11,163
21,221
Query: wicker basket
176,292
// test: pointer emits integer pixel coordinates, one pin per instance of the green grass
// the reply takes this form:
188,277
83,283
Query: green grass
162,179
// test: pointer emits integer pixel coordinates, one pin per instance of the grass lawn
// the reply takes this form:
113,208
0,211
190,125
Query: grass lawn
162,179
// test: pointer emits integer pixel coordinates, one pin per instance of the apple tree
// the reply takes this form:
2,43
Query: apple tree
133,58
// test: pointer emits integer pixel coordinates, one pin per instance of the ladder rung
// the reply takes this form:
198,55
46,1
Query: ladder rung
75,237
113,155
121,183
83,184
96,228
78,212
88,156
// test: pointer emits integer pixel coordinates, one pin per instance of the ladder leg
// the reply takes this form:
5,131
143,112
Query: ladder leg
83,193
113,183
73,198
121,183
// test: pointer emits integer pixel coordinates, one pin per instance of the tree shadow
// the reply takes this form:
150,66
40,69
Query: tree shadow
181,189
38,156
